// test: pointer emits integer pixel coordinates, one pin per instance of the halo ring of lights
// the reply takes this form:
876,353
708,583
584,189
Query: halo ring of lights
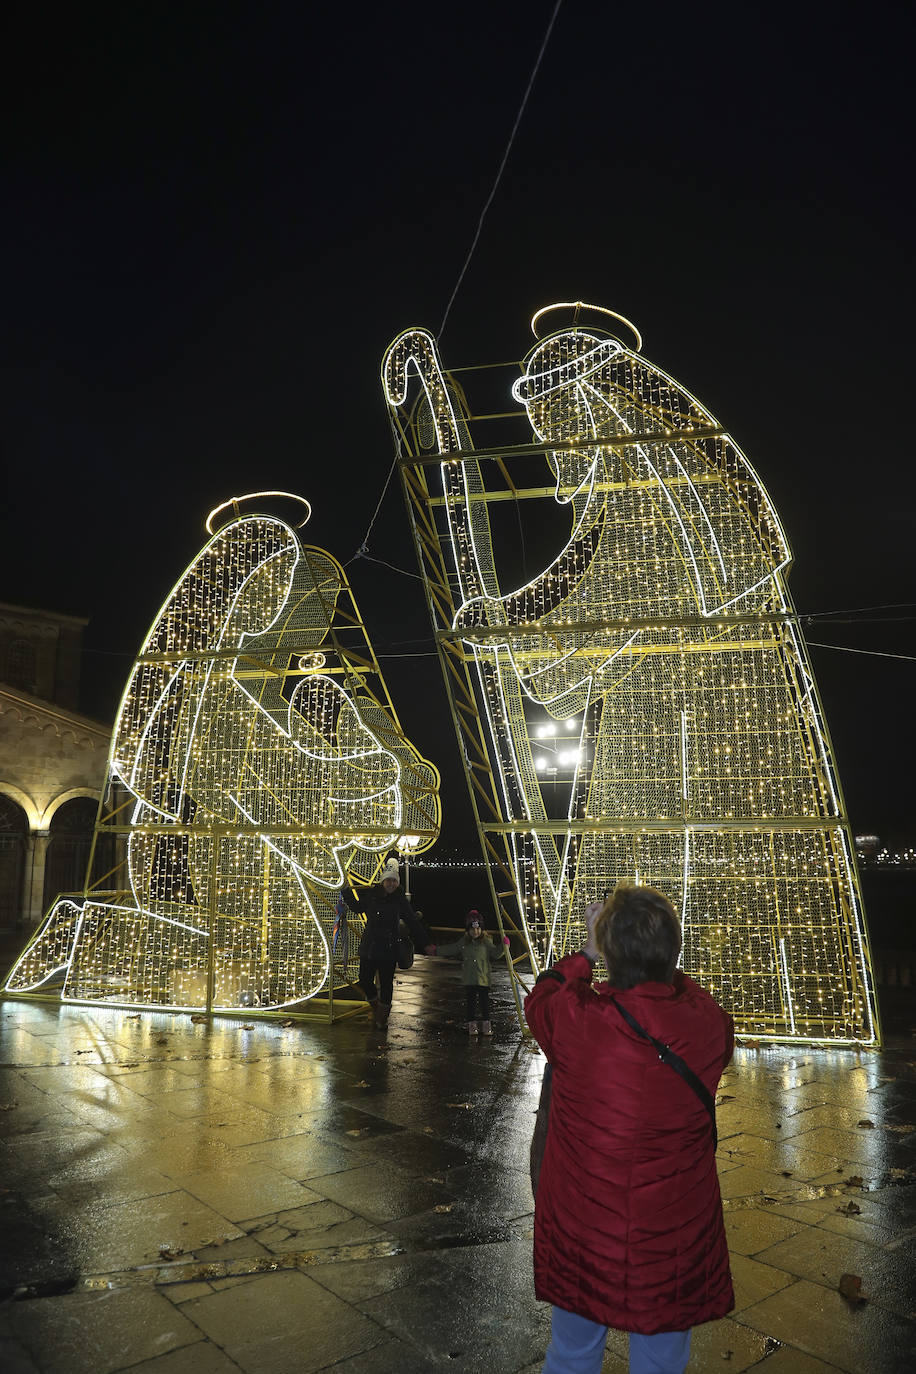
584,305
235,502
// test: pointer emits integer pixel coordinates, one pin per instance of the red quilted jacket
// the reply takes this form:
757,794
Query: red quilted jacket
628,1221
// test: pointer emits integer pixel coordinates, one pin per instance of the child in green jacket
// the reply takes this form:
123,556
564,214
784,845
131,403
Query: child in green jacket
477,952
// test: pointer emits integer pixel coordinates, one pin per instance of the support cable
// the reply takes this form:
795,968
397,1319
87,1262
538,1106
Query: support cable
862,610
502,165
870,653
362,551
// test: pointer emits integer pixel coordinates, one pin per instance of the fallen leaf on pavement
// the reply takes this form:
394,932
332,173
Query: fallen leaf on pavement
850,1286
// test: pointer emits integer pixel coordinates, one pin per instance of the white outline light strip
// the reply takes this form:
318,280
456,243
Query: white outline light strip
685,877
704,512
784,965
867,982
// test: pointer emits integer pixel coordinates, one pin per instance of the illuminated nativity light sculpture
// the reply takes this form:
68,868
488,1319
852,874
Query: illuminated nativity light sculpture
648,708
262,761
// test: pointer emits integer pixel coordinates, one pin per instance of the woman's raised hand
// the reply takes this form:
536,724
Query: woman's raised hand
592,912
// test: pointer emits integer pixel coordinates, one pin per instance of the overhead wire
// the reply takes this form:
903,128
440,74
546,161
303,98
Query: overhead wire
862,610
502,165
362,551
871,653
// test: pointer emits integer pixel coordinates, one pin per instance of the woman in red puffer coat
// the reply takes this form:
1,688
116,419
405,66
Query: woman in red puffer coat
628,1218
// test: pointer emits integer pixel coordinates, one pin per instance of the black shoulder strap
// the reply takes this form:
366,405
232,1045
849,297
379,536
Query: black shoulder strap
667,1055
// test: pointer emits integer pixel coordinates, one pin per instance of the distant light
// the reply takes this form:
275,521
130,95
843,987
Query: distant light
571,724
540,764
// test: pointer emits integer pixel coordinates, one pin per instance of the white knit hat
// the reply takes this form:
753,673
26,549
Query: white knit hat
391,871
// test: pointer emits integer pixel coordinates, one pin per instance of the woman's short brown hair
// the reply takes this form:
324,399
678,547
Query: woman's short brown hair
639,935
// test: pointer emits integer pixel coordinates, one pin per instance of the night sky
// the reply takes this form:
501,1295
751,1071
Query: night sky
217,218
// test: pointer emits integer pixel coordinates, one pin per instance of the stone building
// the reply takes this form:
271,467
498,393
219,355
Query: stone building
52,763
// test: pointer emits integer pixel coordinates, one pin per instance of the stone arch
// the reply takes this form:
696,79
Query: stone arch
14,846
70,795
22,799
69,843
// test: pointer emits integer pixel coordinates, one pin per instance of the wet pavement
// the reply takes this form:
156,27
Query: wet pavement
184,1197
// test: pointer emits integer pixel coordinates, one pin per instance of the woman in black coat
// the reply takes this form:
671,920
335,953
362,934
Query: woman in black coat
385,907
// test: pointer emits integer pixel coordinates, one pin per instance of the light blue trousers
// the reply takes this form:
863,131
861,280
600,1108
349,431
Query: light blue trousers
577,1347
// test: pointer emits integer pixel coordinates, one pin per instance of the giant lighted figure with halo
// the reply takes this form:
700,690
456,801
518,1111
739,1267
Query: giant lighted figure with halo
261,761
650,710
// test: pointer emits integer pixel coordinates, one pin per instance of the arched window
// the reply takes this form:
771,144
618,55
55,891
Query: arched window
20,665
68,848
14,830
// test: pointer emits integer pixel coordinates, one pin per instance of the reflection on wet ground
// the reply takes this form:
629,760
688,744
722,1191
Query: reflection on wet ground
186,1196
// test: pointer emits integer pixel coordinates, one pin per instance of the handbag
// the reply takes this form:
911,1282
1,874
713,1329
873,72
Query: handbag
405,947
541,1122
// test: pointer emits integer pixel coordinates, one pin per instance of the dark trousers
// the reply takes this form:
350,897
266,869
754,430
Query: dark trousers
472,992
368,968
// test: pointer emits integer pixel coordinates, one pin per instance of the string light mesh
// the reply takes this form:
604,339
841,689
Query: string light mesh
261,761
650,712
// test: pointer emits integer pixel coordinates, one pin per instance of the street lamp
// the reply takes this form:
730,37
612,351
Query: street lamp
406,843
552,738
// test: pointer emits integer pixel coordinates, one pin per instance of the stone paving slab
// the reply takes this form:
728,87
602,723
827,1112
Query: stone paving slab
225,1197
100,1333
816,1320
